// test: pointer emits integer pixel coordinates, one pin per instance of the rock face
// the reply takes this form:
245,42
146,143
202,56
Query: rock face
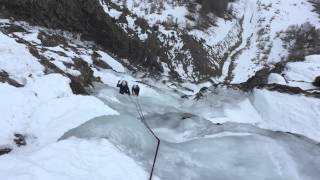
195,40
86,17
184,56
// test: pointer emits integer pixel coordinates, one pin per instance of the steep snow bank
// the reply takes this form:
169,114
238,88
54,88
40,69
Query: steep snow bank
298,74
288,113
71,159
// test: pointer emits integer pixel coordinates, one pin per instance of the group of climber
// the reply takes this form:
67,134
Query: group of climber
124,88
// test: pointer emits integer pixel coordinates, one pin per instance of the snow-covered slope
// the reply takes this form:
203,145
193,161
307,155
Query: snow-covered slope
261,46
178,39
233,48
71,159
299,74
44,109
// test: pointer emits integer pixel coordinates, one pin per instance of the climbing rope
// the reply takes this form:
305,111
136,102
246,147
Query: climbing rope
139,109
139,106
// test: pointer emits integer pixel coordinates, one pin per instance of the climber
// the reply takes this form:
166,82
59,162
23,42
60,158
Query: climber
135,90
124,88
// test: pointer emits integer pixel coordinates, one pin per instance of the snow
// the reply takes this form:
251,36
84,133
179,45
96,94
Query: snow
307,70
288,113
276,79
112,12
45,112
302,74
49,87
215,34
271,16
142,9
115,65
16,59
71,159
299,74
29,36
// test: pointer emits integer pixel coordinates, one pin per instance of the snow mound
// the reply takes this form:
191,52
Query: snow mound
44,109
50,86
72,159
126,132
288,113
276,79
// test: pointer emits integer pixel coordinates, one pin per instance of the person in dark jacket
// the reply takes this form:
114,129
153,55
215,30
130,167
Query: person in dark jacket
124,88
135,90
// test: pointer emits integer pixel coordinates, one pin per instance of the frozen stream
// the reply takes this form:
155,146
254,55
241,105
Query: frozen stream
194,148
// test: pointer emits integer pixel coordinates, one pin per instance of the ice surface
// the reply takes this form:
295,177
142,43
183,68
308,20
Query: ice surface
283,112
204,150
255,141
193,147
126,132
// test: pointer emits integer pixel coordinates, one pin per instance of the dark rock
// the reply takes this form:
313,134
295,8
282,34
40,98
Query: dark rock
203,89
5,151
77,87
98,62
186,116
288,90
101,64
52,40
20,140
4,77
14,28
87,76
185,96
316,82
279,67
260,78
77,83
